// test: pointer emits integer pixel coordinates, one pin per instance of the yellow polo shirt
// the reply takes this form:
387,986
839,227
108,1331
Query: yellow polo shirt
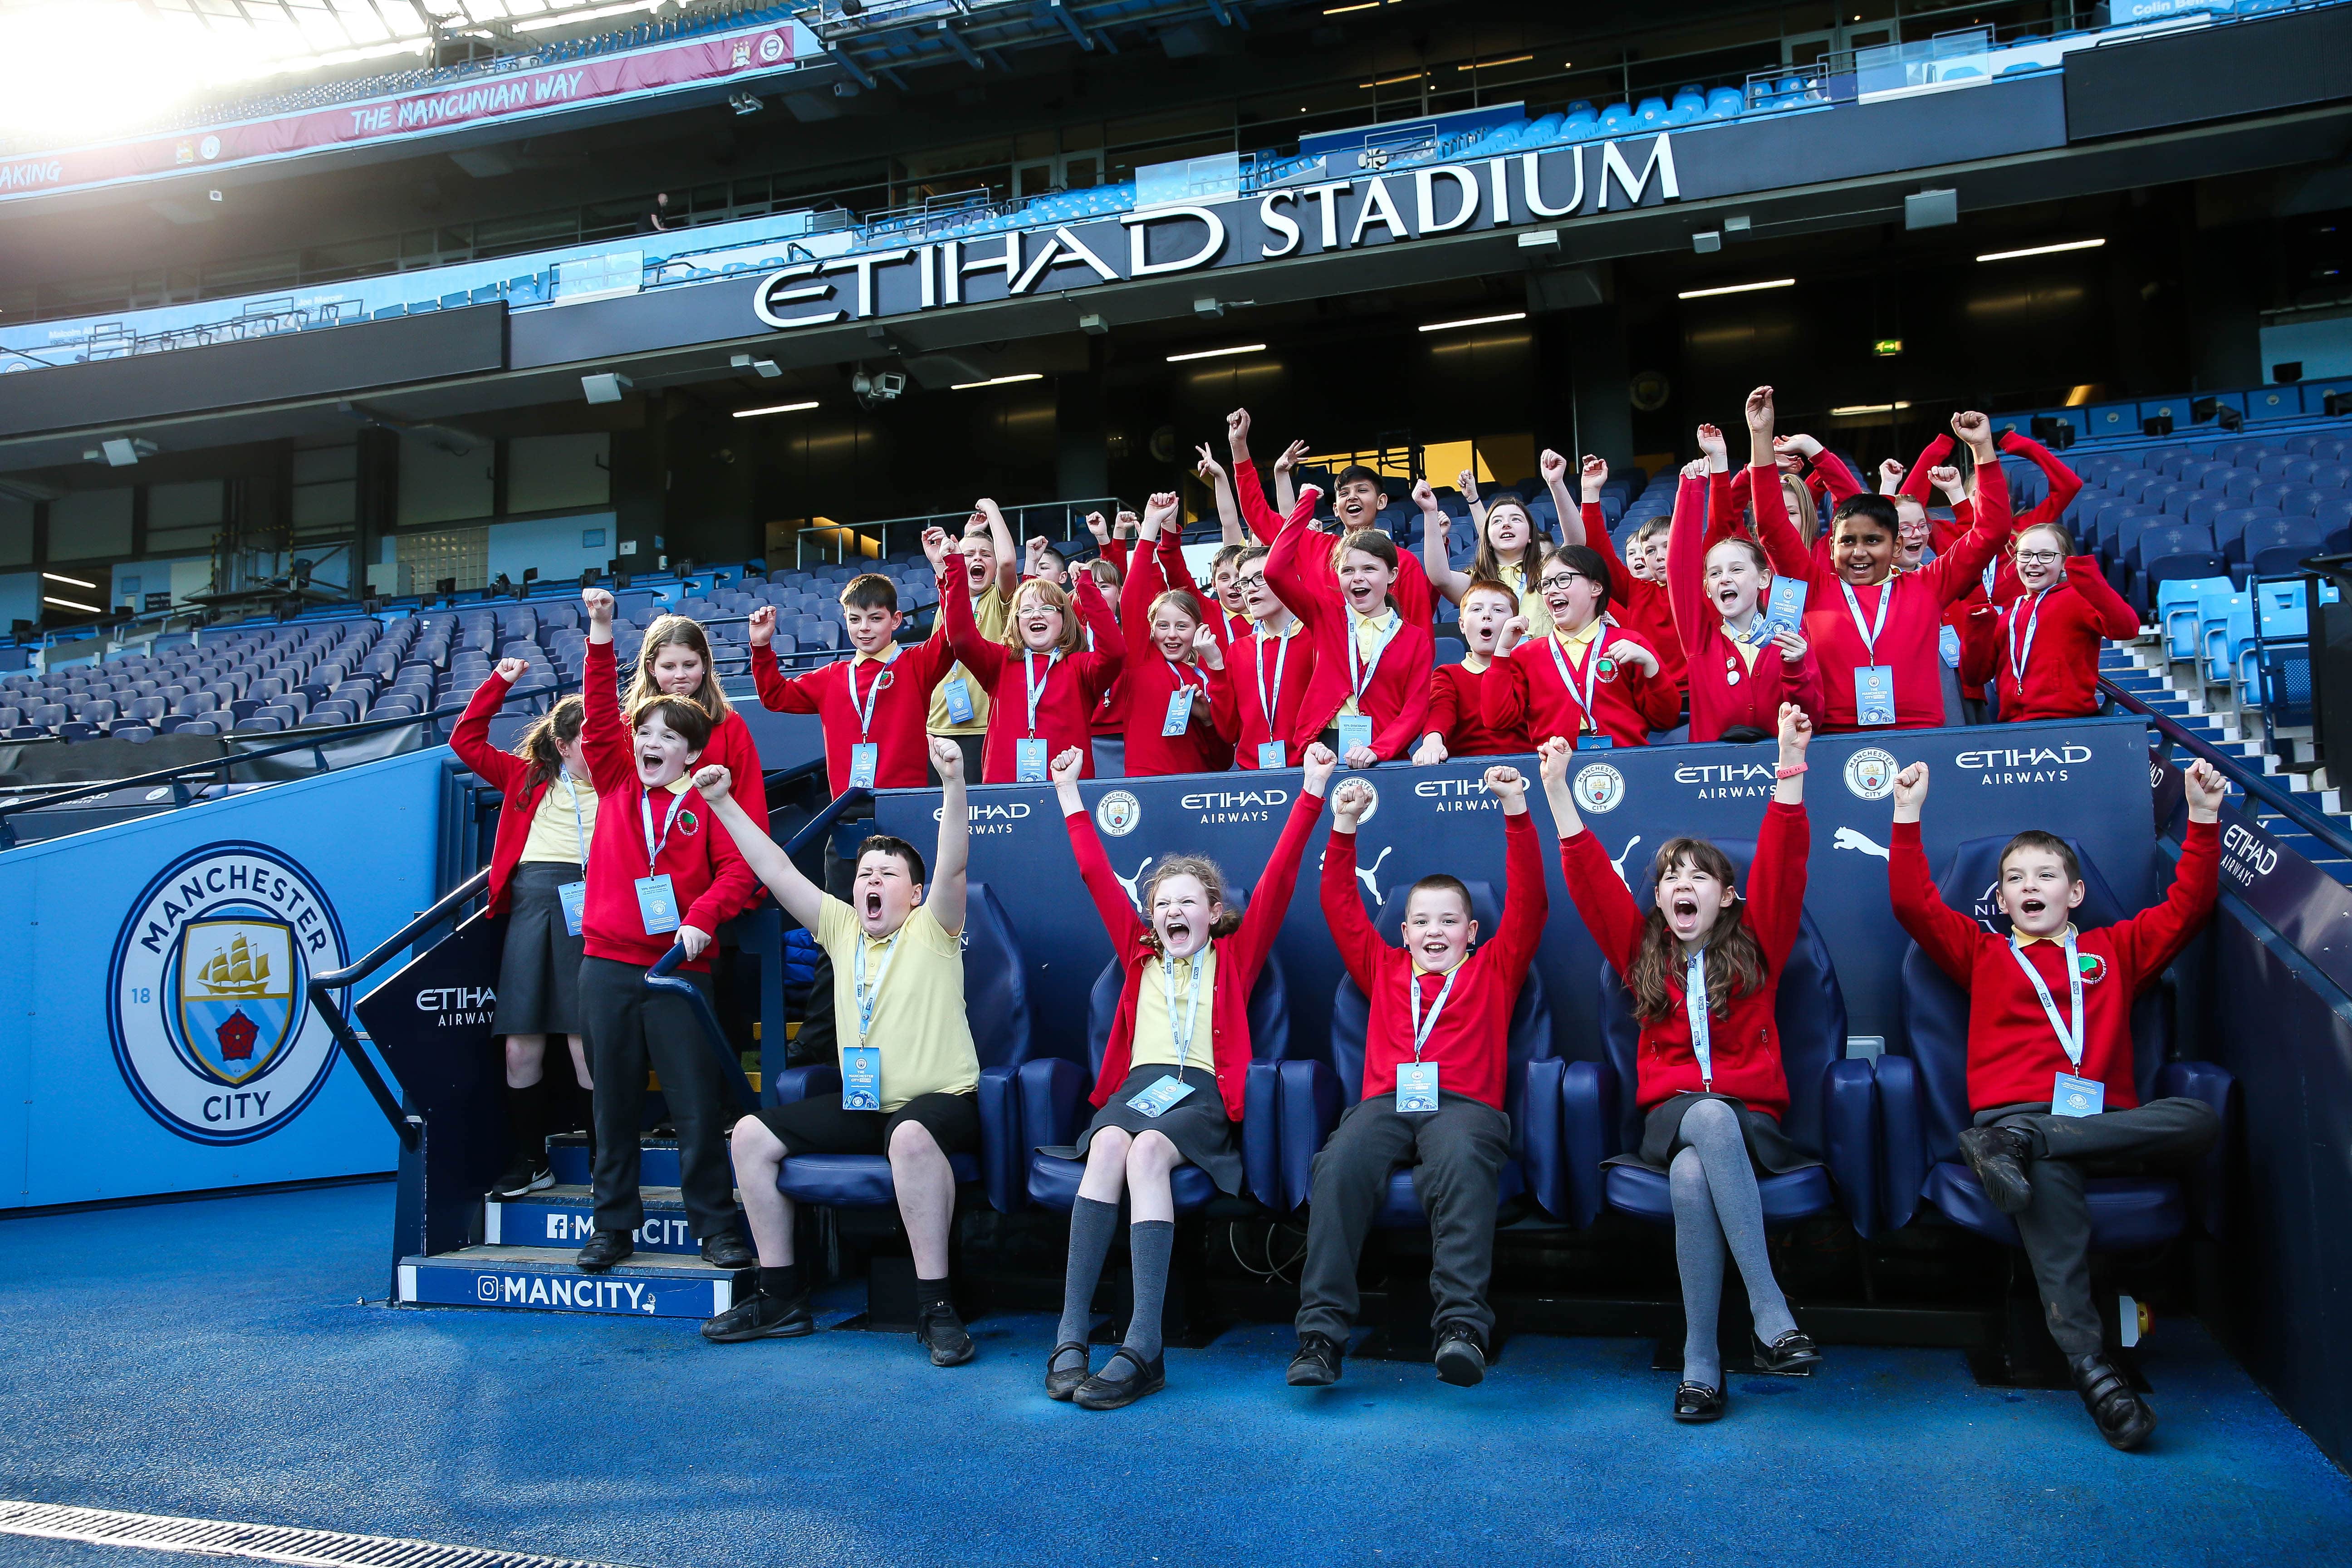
1155,1027
919,1016
555,835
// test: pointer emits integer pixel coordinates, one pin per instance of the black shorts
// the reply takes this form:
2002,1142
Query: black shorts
818,1125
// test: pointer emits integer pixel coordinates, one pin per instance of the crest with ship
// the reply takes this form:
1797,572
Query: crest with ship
236,994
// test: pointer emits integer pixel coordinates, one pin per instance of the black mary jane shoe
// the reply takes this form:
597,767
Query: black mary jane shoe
1696,1402
1062,1384
1793,1354
1103,1393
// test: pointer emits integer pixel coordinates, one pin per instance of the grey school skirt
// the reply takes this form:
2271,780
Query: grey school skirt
1196,1124
1770,1149
539,974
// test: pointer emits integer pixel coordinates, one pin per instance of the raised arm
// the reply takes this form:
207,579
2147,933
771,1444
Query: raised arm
1566,516
1112,905
2065,482
1943,933
1527,904
779,693
604,737
1783,545
1601,900
984,657
1270,901
1000,539
1436,531
799,897
2154,937
1210,472
1686,560
1109,656
1835,476
1916,483
470,740
1961,568
2111,613
1286,481
953,856
1360,947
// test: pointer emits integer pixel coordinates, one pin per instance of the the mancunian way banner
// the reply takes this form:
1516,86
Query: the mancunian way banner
518,95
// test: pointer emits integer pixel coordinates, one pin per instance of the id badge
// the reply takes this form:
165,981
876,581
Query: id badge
1355,729
1593,740
1180,710
1270,755
1162,1095
575,897
2071,1096
861,1078
1416,1087
958,701
865,760
656,904
1947,643
1029,762
1874,694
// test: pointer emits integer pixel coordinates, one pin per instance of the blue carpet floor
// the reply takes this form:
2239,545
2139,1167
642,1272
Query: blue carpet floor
216,1359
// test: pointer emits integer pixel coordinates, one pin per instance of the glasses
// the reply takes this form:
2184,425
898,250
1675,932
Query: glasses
1561,580
2039,557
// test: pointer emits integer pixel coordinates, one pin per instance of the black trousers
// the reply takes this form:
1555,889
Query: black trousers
1457,1153
2056,1225
629,1030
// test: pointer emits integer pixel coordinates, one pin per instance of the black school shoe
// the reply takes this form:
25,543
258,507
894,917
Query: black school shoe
1460,1356
1695,1403
727,1250
760,1316
1317,1364
1793,1354
1064,1384
939,1330
2123,1417
1998,1156
524,1174
1103,1392
605,1248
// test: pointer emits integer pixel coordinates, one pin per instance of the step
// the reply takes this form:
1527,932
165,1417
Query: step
544,1279
564,1216
567,1154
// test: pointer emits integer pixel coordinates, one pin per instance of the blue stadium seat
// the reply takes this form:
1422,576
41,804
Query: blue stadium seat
2181,605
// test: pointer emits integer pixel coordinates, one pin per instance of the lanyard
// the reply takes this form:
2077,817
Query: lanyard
1183,1036
1853,608
1422,1027
873,693
1358,679
1695,1009
2073,1042
1036,687
1178,670
645,815
867,997
1591,673
2017,656
1257,661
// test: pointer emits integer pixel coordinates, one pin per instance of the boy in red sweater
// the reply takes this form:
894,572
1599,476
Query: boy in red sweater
873,707
1436,1047
1259,686
2050,1054
2041,653
1588,677
1457,701
653,868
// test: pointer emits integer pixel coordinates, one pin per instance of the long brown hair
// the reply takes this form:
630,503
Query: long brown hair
1074,635
1735,965
687,633
1211,878
561,722
1488,564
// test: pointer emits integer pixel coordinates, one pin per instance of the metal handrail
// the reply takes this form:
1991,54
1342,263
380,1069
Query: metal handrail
2256,786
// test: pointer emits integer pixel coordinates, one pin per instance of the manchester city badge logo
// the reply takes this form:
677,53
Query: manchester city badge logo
1118,811
210,1027
1598,788
1870,774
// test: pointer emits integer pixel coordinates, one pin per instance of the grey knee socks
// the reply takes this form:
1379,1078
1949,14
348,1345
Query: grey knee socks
1714,1132
1698,1256
1092,1226
1150,1243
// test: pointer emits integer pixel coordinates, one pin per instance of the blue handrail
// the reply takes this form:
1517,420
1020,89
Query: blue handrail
2256,786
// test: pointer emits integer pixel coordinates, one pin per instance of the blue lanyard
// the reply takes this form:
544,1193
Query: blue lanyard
1853,607
645,815
1257,661
1422,1028
1183,1038
1591,673
1359,679
1036,687
867,997
2073,1042
873,693
2017,656
1695,1009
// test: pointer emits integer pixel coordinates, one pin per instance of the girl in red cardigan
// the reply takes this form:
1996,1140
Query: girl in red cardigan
1263,679
1637,600
1457,696
1367,694
544,827
1042,692
1171,1086
1704,967
1737,684
1171,725
2041,652
1588,677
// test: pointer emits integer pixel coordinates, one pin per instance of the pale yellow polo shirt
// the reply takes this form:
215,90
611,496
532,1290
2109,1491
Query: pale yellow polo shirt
1155,1029
919,1016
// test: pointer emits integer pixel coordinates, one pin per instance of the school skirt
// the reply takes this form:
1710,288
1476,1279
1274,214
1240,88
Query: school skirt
539,974
1770,1149
1196,1124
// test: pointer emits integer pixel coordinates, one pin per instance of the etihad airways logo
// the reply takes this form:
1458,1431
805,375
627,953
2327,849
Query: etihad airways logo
2023,757
1727,780
1220,806
2246,854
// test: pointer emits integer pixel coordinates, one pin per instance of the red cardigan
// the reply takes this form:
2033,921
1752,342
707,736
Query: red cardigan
833,692
1240,956
1415,596
1457,713
1241,712
1745,1038
1072,685
707,874
1471,1037
1149,683
1397,698
2062,672
2014,1054
1724,690
514,777
1524,692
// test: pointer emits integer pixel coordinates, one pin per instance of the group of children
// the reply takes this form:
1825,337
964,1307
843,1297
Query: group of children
1314,650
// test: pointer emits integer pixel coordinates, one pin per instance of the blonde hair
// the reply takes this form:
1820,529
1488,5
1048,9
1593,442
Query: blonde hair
679,631
1211,878
1184,601
1073,636
1799,503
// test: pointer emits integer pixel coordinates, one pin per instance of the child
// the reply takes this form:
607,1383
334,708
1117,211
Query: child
2042,653
873,705
1260,709
1588,677
2050,1054
1170,721
1436,1049
1165,1095
652,870
676,661
960,703
1457,698
1637,600
1508,549
550,810
1368,692
2064,485
897,981
1319,557
1704,968
1046,698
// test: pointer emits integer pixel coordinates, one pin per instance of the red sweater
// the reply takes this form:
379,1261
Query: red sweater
707,872
1070,686
1149,681
1525,693
834,691
2065,482
2061,670
732,748
1415,596
1240,956
1471,1040
516,778
1744,1038
1457,713
2013,1053
1726,689
1397,698
1241,710
1637,604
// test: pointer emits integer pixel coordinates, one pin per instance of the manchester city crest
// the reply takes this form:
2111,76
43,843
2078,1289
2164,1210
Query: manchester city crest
212,1027
1118,811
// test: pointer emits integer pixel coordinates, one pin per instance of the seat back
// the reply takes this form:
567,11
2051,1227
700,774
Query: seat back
1269,1004
995,981
1935,1011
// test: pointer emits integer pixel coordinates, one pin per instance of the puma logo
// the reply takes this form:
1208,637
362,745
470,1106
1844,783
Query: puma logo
1625,856
1368,875
1130,882
1847,838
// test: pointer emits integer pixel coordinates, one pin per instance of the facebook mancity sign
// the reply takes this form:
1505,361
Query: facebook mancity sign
211,1025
